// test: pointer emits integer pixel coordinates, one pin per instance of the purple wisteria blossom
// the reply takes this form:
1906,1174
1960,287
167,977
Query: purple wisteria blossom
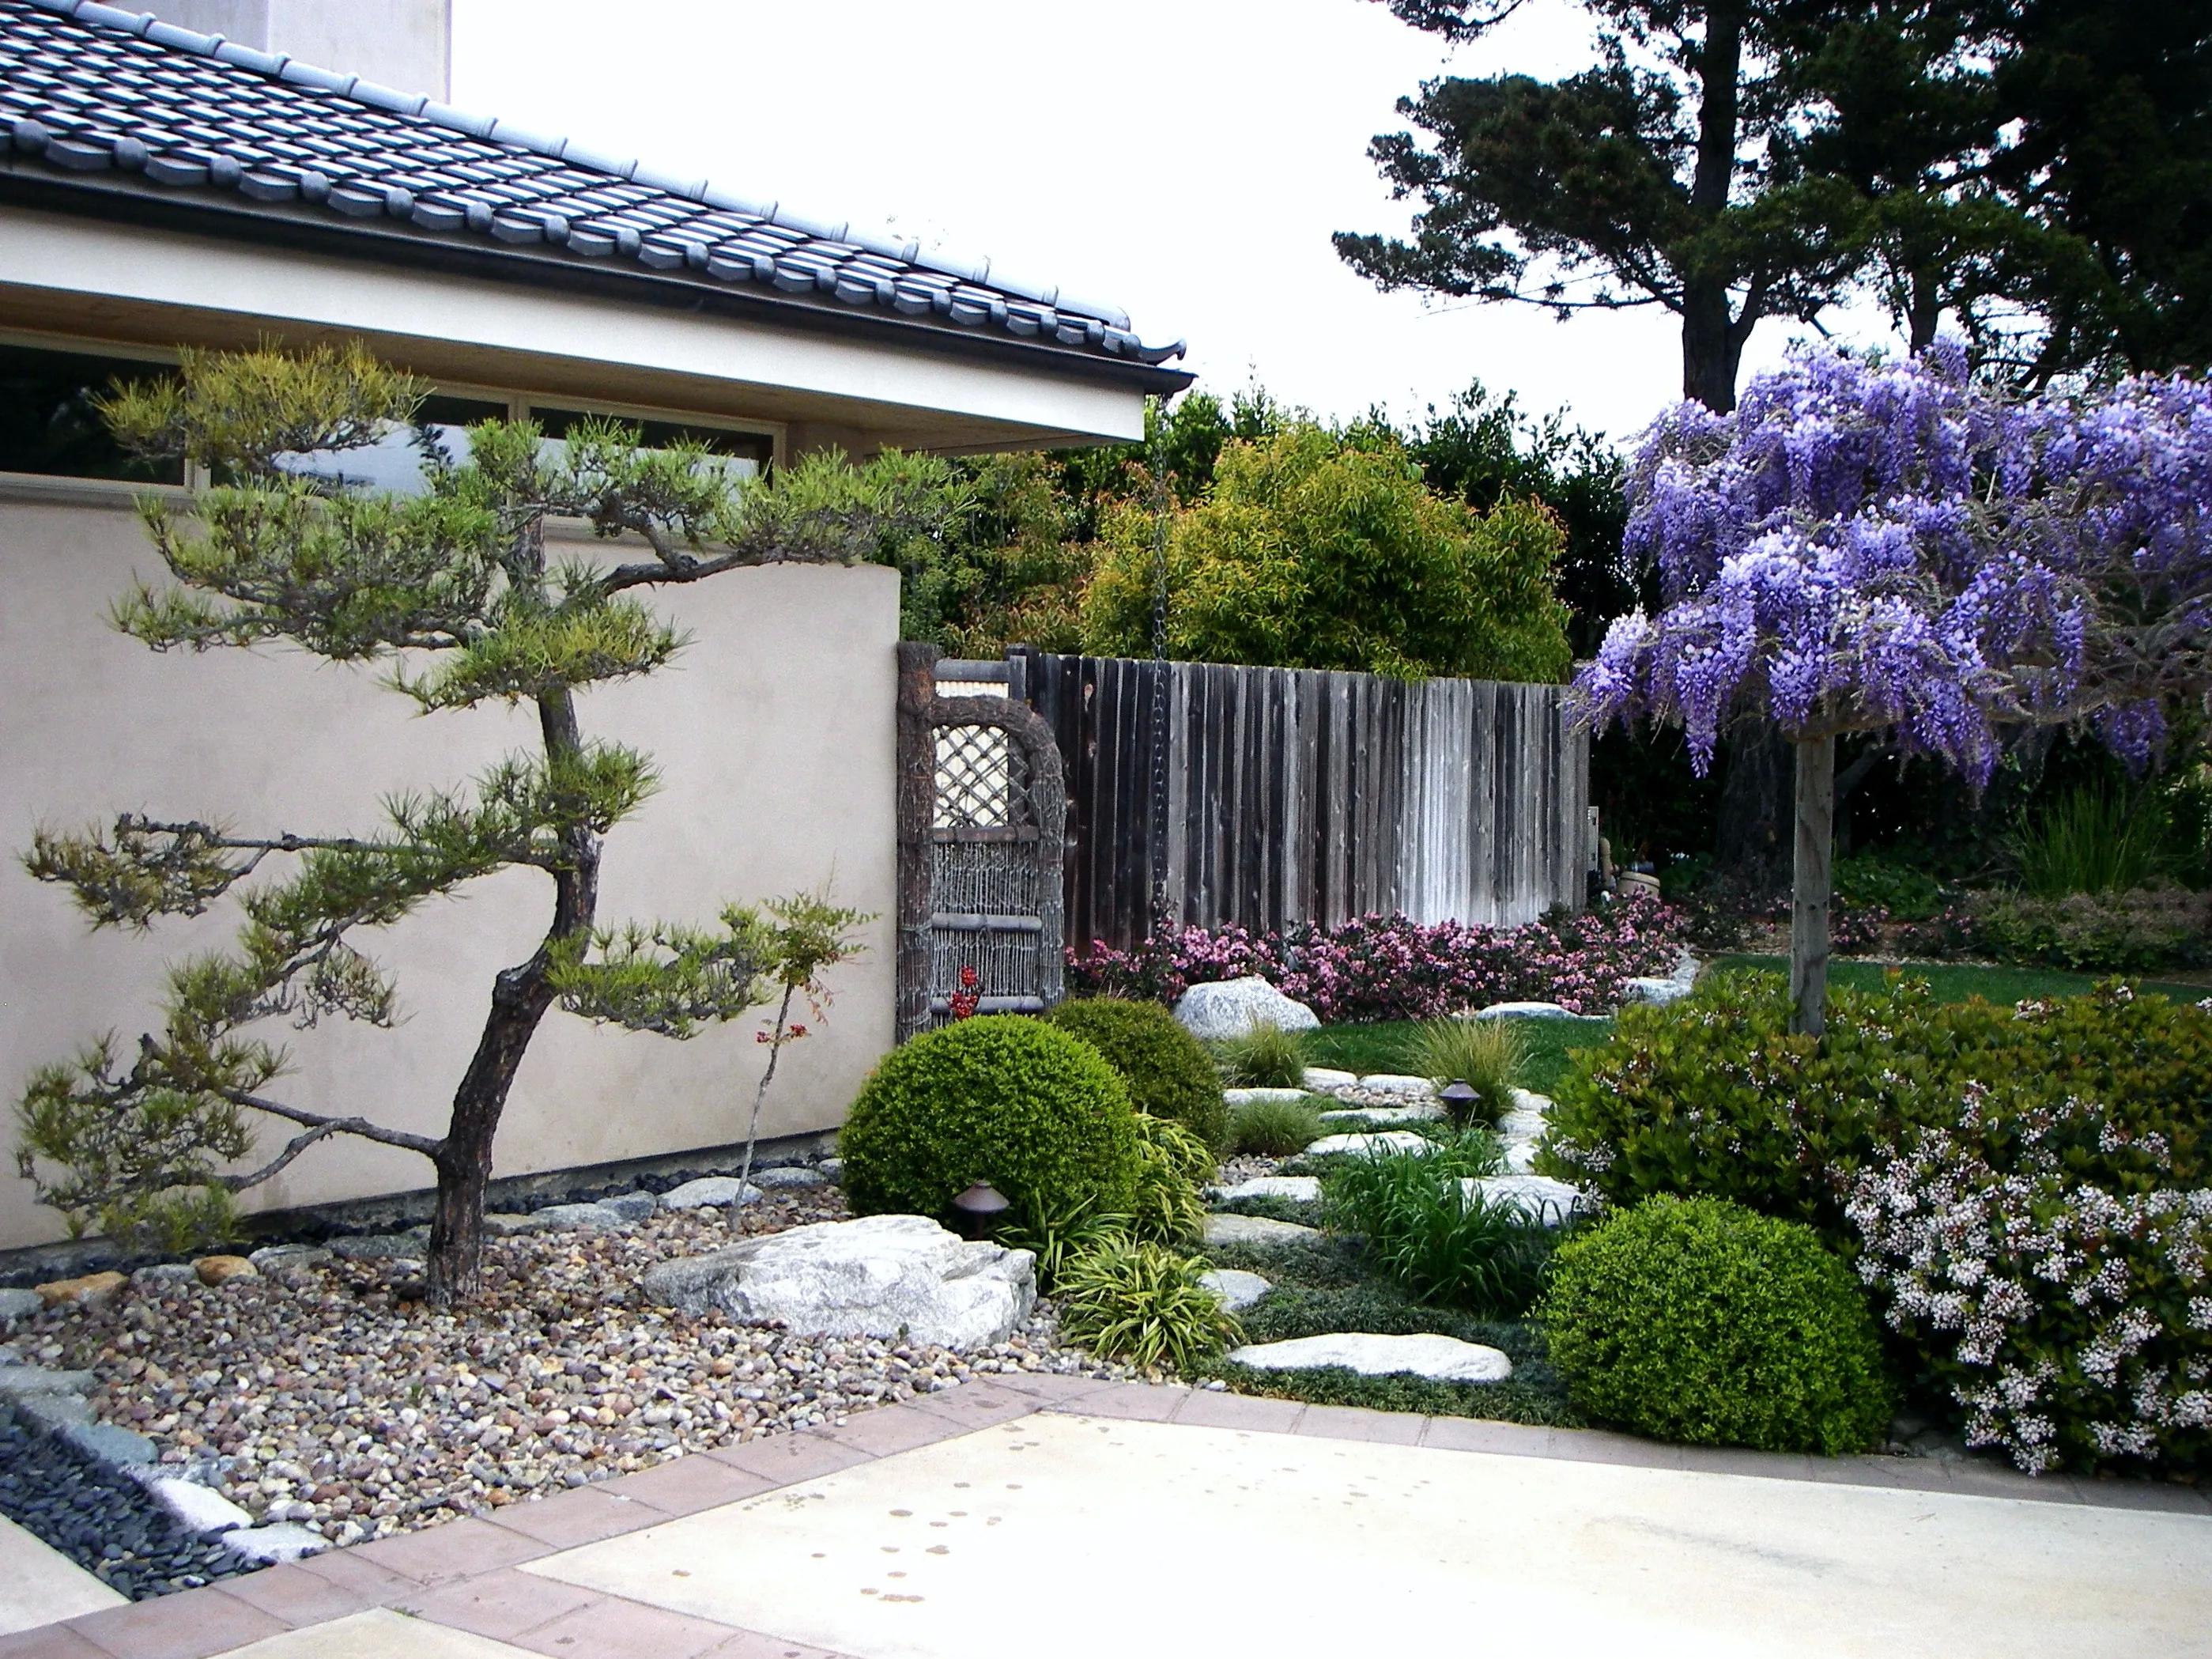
1894,548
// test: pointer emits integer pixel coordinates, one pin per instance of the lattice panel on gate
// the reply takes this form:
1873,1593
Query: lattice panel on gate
982,843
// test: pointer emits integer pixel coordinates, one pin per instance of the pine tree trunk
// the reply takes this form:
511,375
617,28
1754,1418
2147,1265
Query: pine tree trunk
520,995
1808,909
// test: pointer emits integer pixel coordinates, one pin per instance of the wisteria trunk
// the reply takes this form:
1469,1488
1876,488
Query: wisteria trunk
1808,908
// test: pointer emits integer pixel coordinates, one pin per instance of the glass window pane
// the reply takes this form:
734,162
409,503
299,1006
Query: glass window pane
394,462
747,453
48,424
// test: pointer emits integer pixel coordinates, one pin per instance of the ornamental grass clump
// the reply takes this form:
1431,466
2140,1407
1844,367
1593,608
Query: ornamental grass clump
1488,1056
1263,1056
1696,1320
1420,1222
1128,1299
1168,1071
1172,1165
1274,1129
1003,1098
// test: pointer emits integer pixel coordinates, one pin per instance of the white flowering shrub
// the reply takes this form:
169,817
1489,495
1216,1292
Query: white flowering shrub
2051,1269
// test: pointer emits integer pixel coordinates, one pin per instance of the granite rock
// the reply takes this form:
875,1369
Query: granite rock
710,1191
1256,1230
1237,1290
1441,1358
1229,1007
882,1276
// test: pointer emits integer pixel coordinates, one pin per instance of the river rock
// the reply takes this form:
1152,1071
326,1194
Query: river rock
1382,1143
16,1304
291,1258
162,1275
1300,1190
789,1177
594,1218
410,1246
710,1192
88,1290
631,1206
1237,1290
833,1169
1229,1007
19,1381
220,1269
1441,1358
1256,1230
882,1276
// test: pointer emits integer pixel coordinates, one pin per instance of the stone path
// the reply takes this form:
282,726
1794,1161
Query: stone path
945,1527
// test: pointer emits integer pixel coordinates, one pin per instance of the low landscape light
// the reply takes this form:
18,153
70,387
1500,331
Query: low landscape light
979,1206
1458,1098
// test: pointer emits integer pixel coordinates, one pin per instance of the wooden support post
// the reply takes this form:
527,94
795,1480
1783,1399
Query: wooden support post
1808,909
916,804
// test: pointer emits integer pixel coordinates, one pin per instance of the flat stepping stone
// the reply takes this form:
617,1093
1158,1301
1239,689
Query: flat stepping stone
1521,1158
1322,1079
1529,1011
1256,1230
1382,1143
16,1304
1238,1289
1261,1097
1300,1190
1551,1202
1385,1115
1522,1125
1393,1083
1528,1100
789,1176
1440,1359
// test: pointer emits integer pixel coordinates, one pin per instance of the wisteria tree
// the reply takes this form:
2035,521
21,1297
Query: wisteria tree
1893,547
452,589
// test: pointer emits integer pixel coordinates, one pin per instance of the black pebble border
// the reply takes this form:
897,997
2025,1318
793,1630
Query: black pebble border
104,1522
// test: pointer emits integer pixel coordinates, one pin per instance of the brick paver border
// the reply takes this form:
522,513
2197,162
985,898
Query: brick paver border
464,1574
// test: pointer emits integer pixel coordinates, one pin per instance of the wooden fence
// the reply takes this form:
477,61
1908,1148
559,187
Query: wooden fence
1298,795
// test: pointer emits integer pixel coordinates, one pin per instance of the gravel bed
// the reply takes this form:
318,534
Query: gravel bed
105,1522
1246,1166
328,1397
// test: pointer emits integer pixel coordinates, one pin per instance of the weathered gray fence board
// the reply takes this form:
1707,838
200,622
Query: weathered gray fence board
1300,795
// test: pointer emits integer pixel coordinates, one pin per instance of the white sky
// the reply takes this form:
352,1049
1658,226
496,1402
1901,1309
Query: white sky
1184,159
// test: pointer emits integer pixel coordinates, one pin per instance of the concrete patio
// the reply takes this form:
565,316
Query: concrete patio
1069,1516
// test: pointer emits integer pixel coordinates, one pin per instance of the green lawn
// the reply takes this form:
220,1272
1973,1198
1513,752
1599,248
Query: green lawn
1955,981
1387,1046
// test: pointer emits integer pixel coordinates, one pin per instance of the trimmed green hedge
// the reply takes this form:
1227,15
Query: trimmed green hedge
1169,1074
1007,1099
1697,1322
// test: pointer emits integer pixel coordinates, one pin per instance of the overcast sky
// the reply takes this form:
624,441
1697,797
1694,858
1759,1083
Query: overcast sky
1184,159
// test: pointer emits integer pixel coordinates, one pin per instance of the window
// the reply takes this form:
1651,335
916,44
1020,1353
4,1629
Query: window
745,454
395,461
48,424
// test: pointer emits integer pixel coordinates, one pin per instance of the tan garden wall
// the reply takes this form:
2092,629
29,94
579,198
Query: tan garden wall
774,733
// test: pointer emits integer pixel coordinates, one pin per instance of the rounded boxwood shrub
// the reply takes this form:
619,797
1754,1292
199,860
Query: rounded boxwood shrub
1697,1320
1169,1074
1004,1098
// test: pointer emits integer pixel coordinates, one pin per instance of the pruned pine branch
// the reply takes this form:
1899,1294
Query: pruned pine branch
672,980
532,651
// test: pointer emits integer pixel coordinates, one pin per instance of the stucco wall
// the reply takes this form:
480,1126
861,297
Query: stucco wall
774,733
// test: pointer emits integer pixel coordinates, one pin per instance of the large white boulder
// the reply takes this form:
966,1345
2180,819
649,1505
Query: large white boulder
880,1276
1442,1358
1231,1007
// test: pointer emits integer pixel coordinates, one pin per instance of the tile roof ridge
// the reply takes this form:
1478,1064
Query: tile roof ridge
279,66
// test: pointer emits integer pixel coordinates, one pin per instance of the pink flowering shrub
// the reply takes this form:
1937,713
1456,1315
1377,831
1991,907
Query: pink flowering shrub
1381,968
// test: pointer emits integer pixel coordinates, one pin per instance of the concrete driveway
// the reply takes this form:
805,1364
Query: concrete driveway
1044,1516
